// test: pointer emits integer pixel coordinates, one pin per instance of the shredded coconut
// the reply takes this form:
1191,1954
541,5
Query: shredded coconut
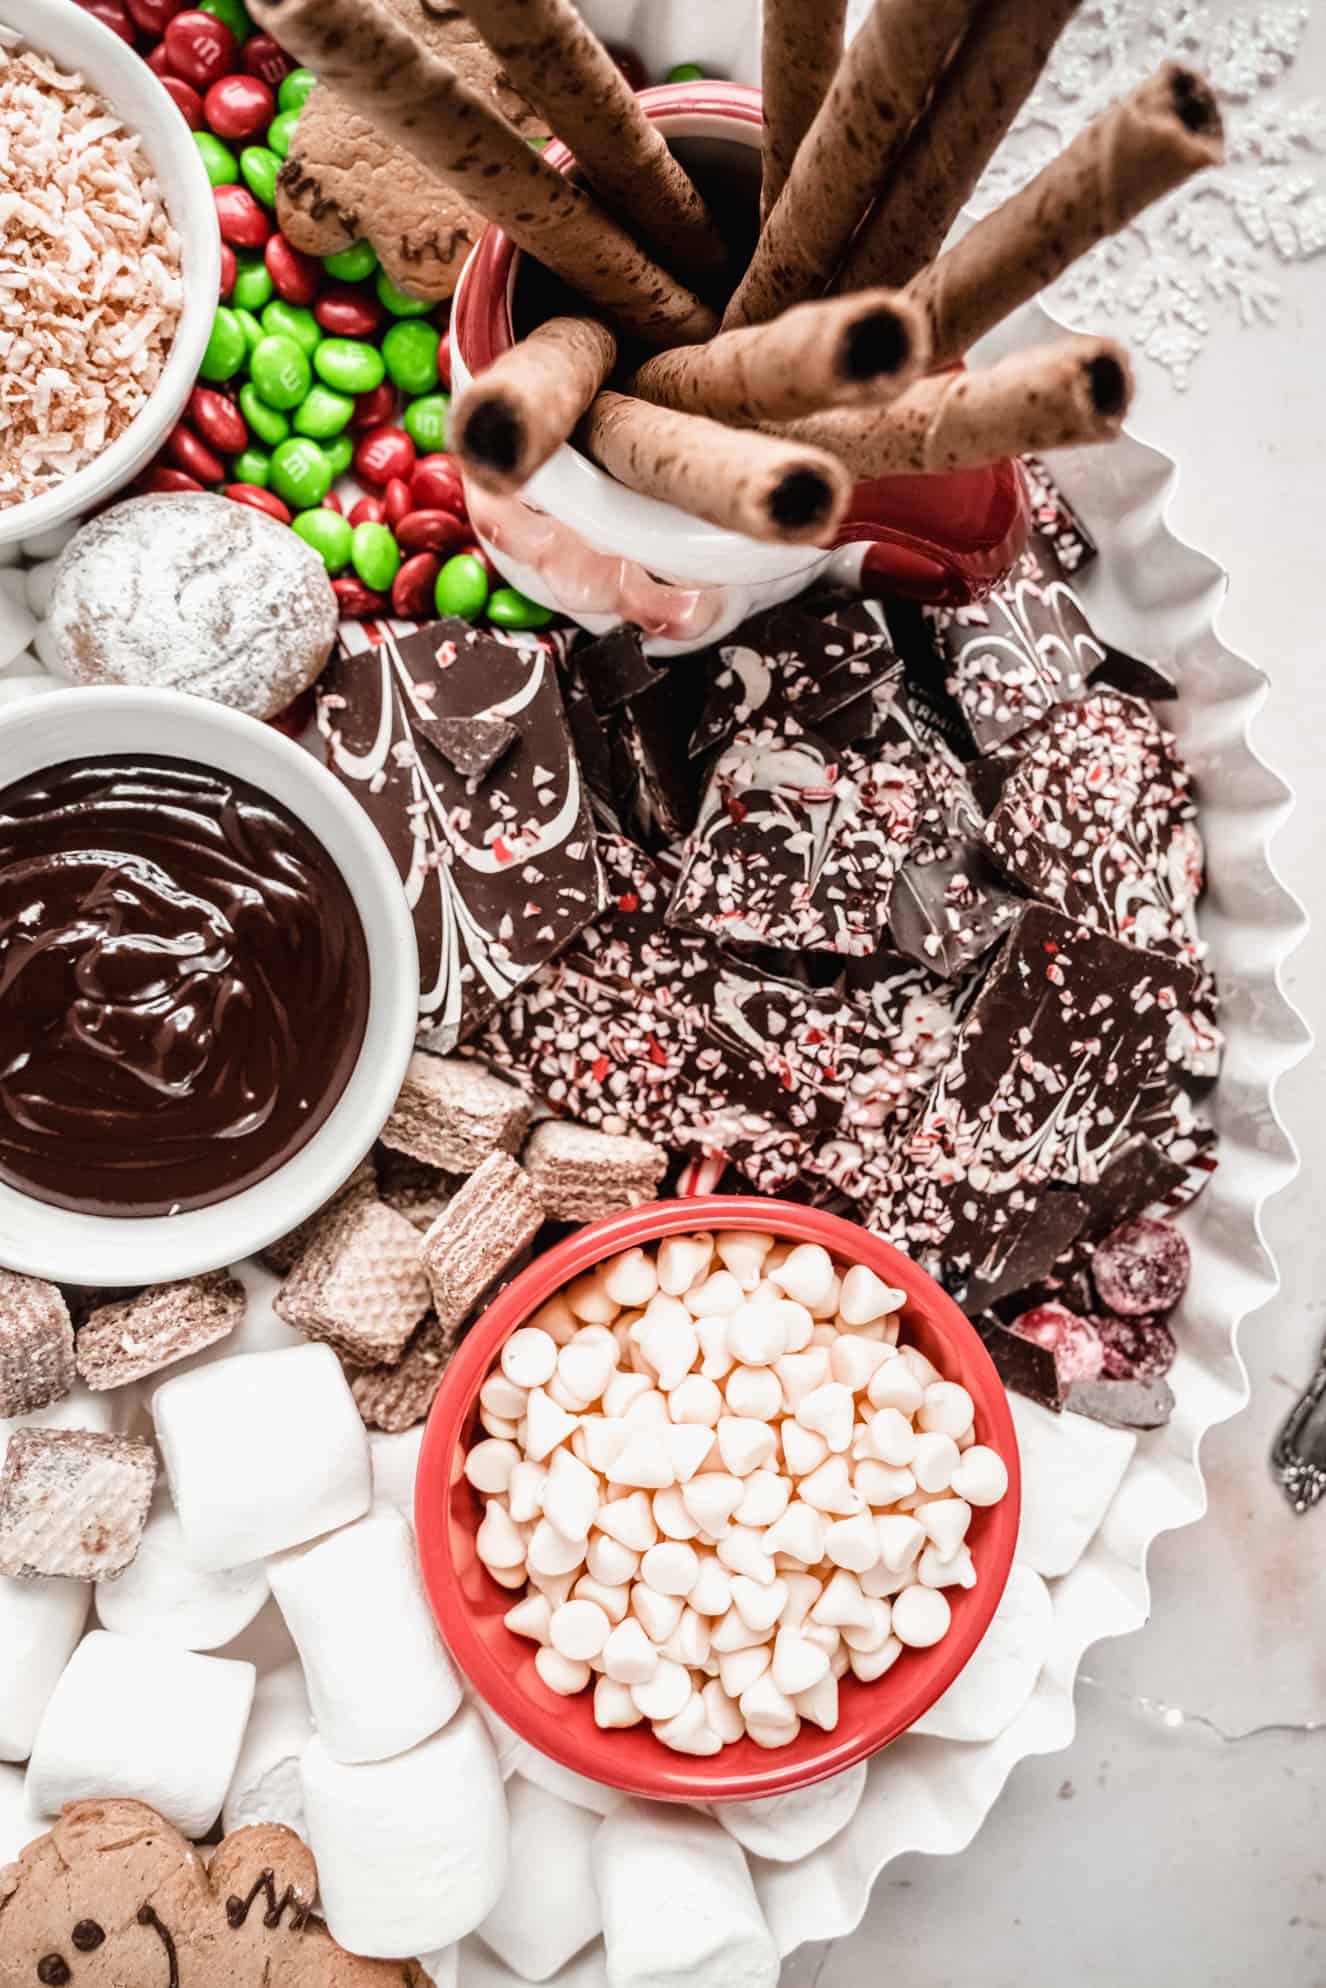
90,283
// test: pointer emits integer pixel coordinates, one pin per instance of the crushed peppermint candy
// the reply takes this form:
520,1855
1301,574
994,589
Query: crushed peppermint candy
90,282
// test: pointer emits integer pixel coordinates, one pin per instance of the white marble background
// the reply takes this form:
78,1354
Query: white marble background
1159,1851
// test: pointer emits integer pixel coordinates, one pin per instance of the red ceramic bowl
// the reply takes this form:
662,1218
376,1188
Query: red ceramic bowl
469,1604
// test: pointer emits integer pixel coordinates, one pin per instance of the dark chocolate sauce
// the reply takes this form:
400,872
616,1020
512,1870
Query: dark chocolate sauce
184,986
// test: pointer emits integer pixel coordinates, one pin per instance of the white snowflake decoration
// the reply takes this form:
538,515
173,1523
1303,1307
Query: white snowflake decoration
1218,243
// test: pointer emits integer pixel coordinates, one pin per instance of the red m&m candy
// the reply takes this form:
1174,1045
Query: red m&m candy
436,485
193,456
296,276
199,47
396,501
218,420
258,500
346,312
113,15
240,218
264,57
384,454
412,589
229,269
239,106
374,407
152,15
186,100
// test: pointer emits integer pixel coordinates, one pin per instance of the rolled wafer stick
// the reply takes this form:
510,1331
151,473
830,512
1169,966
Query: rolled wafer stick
881,87
417,100
554,58
747,482
1053,396
1142,147
803,45
835,353
527,403
979,95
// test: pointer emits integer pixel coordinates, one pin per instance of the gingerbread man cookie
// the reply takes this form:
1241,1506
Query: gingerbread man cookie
114,1897
342,182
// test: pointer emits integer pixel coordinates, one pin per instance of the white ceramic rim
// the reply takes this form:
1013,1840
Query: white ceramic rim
620,522
77,40
66,1246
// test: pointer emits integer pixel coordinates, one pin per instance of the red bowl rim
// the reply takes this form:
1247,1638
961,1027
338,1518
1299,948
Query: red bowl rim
680,1777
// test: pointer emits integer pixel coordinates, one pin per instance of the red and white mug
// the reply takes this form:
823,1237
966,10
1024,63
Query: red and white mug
583,544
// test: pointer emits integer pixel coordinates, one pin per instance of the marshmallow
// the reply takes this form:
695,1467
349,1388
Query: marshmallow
395,1465
535,1928
411,1851
142,1720
786,1828
999,1678
443,1967
1071,1469
40,1623
379,1679
265,1786
678,1903
164,1598
19,1825
262,1451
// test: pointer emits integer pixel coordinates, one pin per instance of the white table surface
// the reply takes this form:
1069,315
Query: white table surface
1156,1851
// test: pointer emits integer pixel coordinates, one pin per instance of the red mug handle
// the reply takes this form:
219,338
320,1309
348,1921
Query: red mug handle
943,539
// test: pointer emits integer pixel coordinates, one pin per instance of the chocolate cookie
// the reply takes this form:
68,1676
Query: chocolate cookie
115,1895
191,592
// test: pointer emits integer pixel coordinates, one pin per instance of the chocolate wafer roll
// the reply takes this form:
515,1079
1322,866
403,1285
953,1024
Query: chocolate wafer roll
1053,396
882,85
554,58
979,95
757,484
1142,147
803,45
527,403
417,100
835,353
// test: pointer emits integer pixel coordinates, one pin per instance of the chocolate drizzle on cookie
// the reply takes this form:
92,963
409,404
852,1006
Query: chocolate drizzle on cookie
147,1917
237,1909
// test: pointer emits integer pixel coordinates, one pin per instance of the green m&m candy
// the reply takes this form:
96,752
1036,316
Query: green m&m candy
328,533
253,283
396,301
410,351
425,422
462,587
323,413
251,329
280,131
350,265
510,609
267,423
295,90
219,162
280,372
260,165
226,348
339,453
300,474
376,556
252,466
232,13
349,365
685,72
295,321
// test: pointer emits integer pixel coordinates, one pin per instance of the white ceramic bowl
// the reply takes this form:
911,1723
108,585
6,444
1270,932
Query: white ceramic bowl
61,1243
77,40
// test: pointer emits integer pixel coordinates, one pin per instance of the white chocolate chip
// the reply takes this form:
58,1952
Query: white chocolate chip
853,1543
561,1674
854,1361
800,1532
830,1412
756,1334
546,1425
820,1703
662,1695
712,1498
687,1444
631,1279
865,1297
870,1664
657,1614
921,1616
742,1551
901,1538
947,1409
613,1600
718,1297
529,1357
498,1541
753,1391
578,1630
551,1552
630,1520
716,1361
830,1489
758,1603
682,1261
896,1386
880,1484
622,1391
738,1669
530,1616
614,1707
628,1655
765,1495
571,1495
609,1561
697,1400
935,1461
712,1593
722,1715
489,1465
742,1251
933,1570
981,1476
689,1731
803,1449
589,1301
671,1516
644,1463
499,1396
745,1444
842,1603
798,1663
670,1568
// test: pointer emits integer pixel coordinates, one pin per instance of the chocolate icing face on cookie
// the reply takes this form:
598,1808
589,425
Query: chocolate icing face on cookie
114,1896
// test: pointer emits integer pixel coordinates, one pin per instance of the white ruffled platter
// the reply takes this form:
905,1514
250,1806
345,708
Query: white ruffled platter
1096,1499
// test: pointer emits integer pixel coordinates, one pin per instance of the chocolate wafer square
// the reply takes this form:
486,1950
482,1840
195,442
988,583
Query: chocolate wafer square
580,1174
73,1503
122,1342
452,1113
396,1397
359,1285
36,1344
283,1254
472,1241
